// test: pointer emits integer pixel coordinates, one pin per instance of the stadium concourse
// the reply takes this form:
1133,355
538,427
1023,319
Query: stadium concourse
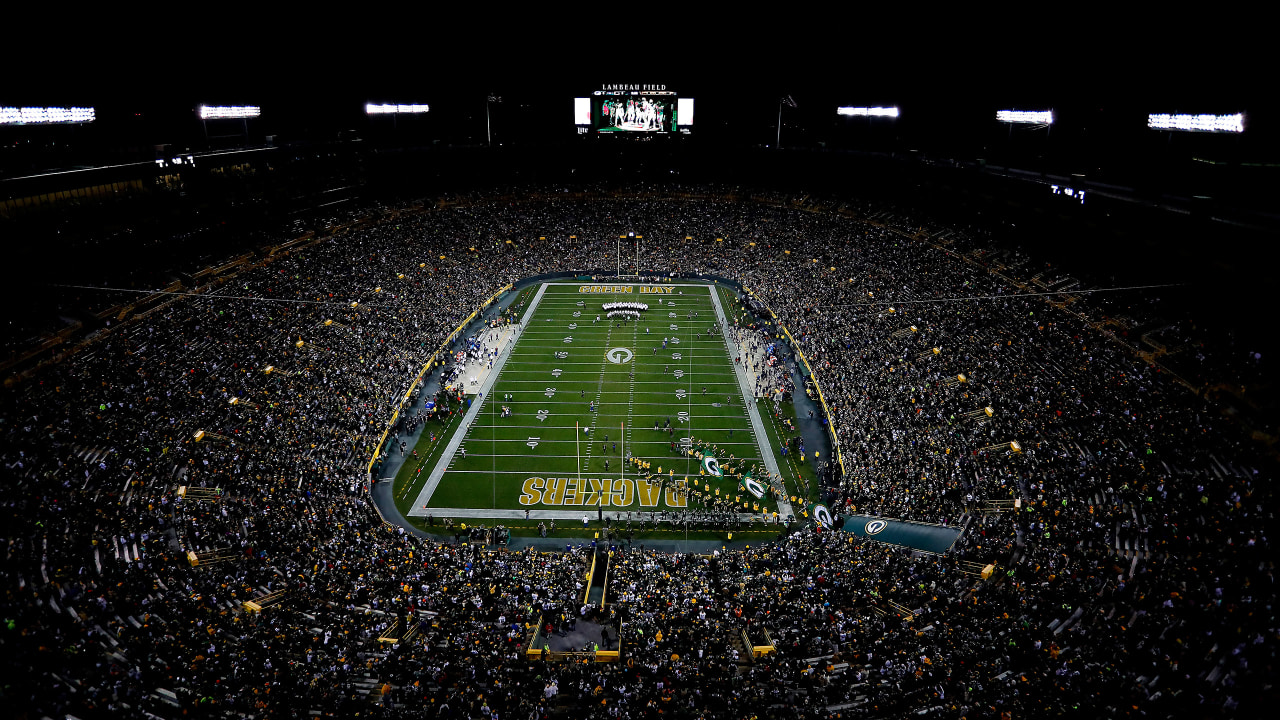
1134,576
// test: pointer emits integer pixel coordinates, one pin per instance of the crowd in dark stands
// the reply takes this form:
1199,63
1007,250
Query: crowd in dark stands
1125,518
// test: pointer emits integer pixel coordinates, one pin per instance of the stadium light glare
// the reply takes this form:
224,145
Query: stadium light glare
868,111
387,109
46,115
217,112
1036,117
1196,123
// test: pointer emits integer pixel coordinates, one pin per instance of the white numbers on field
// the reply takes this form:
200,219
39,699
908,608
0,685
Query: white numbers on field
542,414
675,326
557,372
675,341
678,373
676,356
573,326
550,392
680,393
533,442
671,315
683,416
580,304
561,354
569,339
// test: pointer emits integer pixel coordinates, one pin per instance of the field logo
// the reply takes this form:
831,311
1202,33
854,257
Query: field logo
822,516
619,355
876,526
712,466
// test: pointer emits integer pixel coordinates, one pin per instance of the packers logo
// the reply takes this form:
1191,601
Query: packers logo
875,526
712,466
822,516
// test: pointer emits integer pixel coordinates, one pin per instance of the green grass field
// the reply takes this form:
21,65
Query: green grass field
563,363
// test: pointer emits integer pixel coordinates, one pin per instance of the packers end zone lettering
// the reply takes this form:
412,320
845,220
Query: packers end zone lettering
616,492
644,289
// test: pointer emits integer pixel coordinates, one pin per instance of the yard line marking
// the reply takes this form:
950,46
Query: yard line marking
464,428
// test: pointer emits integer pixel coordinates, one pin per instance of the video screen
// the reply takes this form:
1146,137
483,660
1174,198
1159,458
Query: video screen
633,113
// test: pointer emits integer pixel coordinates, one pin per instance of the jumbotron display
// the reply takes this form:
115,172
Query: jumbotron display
633,112
633,109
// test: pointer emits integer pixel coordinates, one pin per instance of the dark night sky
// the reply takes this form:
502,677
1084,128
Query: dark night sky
1036,55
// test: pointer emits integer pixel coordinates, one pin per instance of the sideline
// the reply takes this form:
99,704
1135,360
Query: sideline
744,385
419,508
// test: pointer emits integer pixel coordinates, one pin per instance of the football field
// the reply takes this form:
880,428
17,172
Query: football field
580,392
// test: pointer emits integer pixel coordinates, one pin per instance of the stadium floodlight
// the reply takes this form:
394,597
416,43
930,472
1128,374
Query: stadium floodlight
1196,123
237,112
1034,117
46,115
868,111
374,109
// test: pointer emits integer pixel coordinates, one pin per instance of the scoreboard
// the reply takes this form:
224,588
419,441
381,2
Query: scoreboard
633,110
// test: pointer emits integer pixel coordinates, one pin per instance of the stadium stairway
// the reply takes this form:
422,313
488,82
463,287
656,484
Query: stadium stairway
737,639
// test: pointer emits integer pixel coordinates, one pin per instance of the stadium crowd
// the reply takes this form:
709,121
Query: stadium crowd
1132,576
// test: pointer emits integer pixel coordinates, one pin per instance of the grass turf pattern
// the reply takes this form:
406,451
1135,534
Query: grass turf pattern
552,385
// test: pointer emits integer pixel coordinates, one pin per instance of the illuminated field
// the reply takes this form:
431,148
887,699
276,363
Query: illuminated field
568,371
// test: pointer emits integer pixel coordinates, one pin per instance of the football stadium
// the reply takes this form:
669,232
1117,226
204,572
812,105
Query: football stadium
683,390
